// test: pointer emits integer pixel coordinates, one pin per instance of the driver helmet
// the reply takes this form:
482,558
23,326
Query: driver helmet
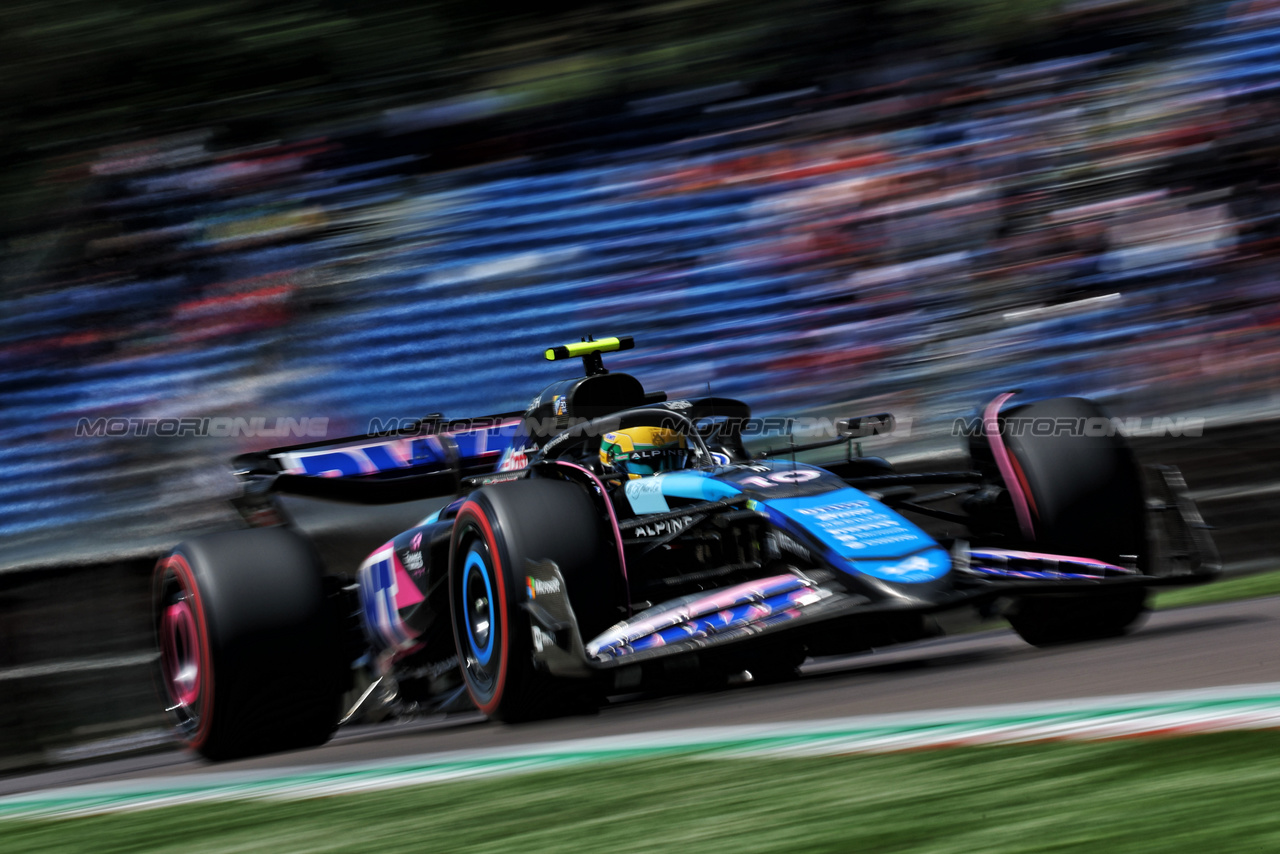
640,451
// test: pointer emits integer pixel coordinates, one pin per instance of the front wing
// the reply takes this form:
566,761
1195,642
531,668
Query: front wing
763,608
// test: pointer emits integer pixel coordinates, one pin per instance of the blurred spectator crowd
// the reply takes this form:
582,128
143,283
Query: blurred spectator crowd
1103,224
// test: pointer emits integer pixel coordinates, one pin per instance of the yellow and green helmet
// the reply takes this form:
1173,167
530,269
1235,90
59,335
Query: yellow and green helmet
640,451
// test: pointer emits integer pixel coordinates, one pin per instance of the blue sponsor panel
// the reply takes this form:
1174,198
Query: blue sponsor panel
855,528
766,481
861,531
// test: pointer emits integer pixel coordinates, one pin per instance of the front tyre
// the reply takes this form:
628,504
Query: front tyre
250,653
1080,494
1054,620
483,612
496,532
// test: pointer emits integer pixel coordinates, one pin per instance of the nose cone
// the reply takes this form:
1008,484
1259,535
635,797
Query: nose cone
920,568
867,538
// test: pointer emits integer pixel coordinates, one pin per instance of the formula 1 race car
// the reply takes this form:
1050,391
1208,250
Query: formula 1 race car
610,540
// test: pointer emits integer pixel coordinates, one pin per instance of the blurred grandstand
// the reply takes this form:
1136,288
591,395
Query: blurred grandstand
1102,224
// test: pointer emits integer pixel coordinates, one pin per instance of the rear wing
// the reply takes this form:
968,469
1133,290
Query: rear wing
426,460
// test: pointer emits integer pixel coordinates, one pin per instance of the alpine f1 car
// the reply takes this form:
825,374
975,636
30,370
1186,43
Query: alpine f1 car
608,539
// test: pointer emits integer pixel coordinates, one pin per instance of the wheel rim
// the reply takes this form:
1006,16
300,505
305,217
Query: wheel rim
478,620
477,601
180,655
182,636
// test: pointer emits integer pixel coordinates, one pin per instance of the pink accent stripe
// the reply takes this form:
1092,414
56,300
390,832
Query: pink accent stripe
991,427
741,594
613,521
1020,555
407,593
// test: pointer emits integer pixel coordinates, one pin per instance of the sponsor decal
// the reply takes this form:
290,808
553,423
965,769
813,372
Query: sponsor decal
784,543
662,527
413,562
645,495
916,569
537,587
555,442
513,460
349,461
775,478
876,540
416,542
561,404
678,404
913,564
542,639
382,597
858,524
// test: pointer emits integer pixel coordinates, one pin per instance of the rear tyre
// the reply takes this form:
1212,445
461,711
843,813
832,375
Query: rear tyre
1082,496
250,654
497,531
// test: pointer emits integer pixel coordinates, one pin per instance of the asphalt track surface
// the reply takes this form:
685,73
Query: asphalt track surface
1222,645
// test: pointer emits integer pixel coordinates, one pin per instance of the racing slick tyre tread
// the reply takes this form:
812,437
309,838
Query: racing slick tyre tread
1085,498
1053,620
496,531
250,657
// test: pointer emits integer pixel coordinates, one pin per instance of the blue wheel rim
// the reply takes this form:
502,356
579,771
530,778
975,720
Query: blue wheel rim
479,618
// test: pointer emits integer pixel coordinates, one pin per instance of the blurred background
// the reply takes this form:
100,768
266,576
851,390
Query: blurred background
355,211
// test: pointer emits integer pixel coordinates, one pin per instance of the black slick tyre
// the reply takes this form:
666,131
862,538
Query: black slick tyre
1054,620
249,643
1080,494
496,533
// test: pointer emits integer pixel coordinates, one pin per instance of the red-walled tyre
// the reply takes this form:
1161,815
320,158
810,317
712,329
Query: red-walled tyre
496,532
1075,491
249,643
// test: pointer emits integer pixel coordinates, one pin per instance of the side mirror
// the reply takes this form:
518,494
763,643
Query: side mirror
863,426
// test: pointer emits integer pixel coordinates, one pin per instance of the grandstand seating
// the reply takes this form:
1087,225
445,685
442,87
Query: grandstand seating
438,293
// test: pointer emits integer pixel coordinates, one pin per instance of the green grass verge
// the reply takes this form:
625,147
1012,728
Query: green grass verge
1244,587
1198,793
